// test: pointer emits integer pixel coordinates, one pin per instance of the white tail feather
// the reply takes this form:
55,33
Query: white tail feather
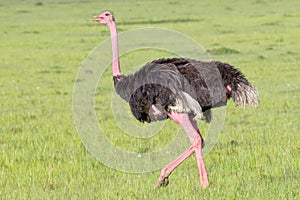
246,94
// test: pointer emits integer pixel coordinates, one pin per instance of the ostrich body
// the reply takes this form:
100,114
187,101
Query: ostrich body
181,89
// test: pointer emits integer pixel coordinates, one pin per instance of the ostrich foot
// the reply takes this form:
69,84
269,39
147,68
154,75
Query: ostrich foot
163,179
162,182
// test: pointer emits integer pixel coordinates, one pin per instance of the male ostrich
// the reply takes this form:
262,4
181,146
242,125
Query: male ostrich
181,89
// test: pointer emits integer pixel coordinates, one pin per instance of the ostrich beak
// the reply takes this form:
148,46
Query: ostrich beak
97,18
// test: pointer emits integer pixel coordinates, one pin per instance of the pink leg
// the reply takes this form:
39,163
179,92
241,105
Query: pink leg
193,133
195,125
163,179
201,167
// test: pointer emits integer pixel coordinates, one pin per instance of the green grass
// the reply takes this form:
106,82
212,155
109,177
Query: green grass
42,46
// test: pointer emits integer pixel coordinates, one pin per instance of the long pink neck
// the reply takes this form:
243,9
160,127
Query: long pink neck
115,51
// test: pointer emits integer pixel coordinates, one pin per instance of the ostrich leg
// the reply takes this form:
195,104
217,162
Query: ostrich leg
163,179
191,128
198,150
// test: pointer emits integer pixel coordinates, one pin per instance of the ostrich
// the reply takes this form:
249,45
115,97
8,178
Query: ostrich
181,89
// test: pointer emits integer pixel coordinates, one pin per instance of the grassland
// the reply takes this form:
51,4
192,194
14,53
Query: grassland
42,46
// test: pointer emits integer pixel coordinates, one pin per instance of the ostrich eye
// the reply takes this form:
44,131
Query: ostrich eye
106,14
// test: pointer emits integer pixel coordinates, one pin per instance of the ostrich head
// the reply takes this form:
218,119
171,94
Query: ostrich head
104,18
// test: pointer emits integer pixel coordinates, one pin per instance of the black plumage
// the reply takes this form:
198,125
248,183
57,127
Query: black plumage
178,84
